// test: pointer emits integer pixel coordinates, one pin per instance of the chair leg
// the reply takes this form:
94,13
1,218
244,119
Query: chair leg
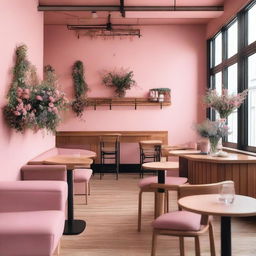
57,251
154,240
166,205
155,209
139,211
86,192
211,237
197,246
89,187
182,251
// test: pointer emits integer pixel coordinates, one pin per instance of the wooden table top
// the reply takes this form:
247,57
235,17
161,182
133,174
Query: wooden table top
230,158
183,152
160,165
151,142
210,205
69,160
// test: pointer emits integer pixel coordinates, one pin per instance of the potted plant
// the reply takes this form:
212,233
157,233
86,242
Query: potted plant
121,81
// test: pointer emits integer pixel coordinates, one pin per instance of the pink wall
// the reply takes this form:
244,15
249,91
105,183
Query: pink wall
166,56
231,7
20,23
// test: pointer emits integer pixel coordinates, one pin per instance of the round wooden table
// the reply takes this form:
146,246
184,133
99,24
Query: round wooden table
243,206
160,167
72,226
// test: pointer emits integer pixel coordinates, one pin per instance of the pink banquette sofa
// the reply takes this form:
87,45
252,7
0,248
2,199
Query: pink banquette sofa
32,217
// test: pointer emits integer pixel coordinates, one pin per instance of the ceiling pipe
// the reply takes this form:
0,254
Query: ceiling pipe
118,8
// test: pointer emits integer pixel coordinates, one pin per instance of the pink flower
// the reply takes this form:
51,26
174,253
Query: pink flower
24,112
49,109
38,97
19,100
25,96
16,113
27,91
28,107
55,110
51,105
19,90
51,99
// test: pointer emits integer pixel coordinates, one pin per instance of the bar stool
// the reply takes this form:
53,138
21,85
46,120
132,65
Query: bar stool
150,151
83,175
110,150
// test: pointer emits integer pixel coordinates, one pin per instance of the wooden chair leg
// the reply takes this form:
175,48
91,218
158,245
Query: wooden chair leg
155,209
57,250
166,205
182,251
154,240
86,192
139,211
197,246
211,237
89,187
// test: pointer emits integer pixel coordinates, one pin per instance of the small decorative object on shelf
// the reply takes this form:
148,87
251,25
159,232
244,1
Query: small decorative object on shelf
121,81
224,104
81,88
160,94
213,130
32,104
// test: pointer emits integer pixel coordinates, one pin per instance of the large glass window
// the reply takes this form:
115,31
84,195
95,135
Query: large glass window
252,24
232,39
232,88
234,67
252,100
218,49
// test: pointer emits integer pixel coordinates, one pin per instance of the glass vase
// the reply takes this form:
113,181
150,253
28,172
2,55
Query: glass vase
214,145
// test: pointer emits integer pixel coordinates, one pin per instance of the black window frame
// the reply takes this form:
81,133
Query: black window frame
241,58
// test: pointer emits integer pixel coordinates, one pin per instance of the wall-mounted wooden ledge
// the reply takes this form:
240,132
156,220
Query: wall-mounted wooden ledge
234,150
126,101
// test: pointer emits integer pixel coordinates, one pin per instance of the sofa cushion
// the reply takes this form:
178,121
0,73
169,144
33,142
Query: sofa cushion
82,175
34,233
32,195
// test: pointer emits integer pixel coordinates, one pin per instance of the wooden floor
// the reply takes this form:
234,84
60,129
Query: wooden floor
111,217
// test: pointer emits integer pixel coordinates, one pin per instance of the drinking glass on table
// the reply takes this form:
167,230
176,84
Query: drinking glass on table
227,193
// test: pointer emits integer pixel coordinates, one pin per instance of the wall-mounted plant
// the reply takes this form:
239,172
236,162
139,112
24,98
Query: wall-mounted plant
81,88
121,81
32,104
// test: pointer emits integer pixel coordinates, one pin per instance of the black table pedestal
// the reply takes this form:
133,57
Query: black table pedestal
226,236
74,227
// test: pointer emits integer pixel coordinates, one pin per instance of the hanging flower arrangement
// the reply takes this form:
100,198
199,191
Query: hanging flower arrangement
81,88
32,104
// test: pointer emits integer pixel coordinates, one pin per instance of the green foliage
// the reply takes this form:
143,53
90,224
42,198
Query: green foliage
32,104
121,81
81,88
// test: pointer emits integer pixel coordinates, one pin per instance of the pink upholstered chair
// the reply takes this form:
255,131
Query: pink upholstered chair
31,217
184,223
145,186
83,175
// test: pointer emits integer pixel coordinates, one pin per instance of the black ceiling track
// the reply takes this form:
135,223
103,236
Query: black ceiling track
121,8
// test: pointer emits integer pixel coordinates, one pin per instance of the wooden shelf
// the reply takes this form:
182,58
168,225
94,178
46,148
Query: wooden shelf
94,102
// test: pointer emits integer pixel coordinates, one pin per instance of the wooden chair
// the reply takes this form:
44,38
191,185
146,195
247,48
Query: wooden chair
150,151
145,186
183,223
109,150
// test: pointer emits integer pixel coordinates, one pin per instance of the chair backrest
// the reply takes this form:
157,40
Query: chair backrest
190,190
110,140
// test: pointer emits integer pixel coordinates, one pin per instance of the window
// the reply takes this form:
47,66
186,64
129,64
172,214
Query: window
232,88
218,49
232,39
251,24
252,100
233,66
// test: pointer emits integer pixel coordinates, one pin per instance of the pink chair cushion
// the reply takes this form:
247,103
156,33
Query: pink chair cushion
30,233
44,172
168,180
179,220
32,195
82,175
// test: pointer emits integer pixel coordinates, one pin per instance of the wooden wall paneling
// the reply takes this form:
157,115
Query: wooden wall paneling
214,172
251,180
236,177
229,171
243,179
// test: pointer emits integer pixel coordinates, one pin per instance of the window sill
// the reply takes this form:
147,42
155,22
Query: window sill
239,151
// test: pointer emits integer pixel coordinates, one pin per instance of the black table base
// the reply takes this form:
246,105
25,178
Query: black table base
74,227
226,236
